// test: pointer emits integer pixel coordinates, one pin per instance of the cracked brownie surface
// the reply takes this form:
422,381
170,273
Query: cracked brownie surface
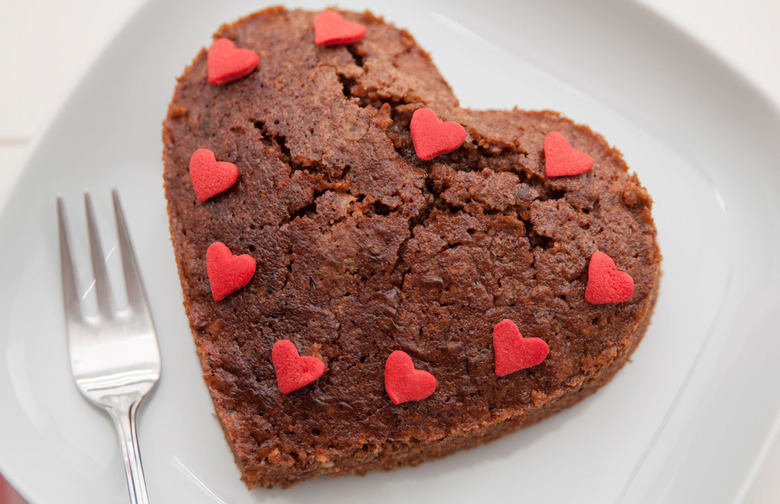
363,249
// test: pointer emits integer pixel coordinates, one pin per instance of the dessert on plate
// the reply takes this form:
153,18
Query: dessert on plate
375,276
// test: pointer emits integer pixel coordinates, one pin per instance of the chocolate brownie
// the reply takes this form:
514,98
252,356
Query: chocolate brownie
362,249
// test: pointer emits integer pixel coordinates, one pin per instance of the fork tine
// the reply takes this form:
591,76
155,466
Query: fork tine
70,290
105,301
136,295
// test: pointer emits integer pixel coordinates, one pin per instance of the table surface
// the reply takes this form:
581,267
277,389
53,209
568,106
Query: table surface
743,34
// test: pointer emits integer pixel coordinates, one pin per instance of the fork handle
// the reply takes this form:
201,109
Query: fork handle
123,416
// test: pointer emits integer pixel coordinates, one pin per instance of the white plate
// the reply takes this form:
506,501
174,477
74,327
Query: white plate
684,422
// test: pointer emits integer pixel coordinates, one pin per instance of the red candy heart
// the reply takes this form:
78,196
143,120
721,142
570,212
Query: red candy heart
561,159
432,138
209,176
227,63
227,272
332,29
292,370
403,382
605,283
513,352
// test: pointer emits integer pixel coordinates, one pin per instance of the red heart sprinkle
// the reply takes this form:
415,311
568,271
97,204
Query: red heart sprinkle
605,283
403,382
227,272
227,63
332,29
292,370
561,159
513,352
209,176
432,138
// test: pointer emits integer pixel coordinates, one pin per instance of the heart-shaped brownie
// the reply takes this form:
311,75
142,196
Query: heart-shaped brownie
393,270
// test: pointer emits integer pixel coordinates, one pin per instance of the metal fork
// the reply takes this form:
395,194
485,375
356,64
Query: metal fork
114,355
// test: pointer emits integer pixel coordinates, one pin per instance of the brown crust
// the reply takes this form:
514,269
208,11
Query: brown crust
363,249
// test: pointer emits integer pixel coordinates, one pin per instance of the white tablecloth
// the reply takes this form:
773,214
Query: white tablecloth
45,45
